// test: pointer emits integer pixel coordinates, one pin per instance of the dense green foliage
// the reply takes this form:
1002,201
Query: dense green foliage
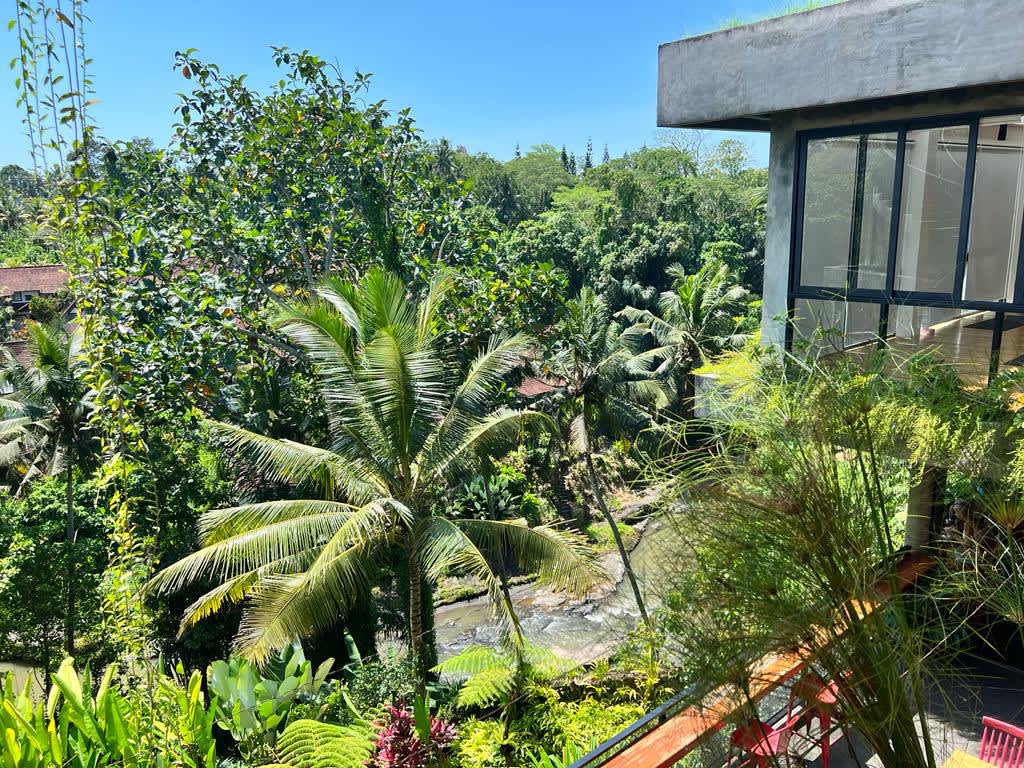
320,370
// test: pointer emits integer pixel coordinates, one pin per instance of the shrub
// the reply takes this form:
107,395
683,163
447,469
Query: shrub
375,684
581,724
601,535
400,743
479,744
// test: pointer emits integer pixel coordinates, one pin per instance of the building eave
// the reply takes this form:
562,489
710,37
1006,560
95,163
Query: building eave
859,51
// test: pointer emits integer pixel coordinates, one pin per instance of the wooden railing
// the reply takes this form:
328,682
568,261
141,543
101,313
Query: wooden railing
679,726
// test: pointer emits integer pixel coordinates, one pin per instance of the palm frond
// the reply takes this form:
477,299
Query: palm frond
561,559
442,545
217,525
294,463
287,607
227,558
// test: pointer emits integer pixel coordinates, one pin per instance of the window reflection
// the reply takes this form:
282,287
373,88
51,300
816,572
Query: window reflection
930,205
996,210
847,211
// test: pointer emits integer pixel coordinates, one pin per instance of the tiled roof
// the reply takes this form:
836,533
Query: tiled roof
532,386
44,278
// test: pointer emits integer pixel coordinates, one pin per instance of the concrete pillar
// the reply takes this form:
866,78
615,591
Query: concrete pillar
925,509
778,231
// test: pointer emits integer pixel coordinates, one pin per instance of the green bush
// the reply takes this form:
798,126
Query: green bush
82,727
581,724
252,705
376,684
601,535
536,509
479,744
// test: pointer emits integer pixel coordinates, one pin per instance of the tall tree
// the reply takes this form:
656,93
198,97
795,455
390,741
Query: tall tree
606,385
588,157
405,425
697,318
605,156
565,159
46,427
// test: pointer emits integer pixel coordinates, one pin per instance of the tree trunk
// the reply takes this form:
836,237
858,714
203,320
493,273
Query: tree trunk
687,393
416,631
595,487
70,534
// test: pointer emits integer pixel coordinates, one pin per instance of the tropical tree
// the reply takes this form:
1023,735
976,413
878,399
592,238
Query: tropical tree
45,428
606,384
404,424
697,319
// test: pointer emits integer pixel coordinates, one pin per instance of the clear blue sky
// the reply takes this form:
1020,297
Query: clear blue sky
484,74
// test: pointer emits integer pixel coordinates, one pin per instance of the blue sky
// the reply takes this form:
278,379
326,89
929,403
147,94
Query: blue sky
484,74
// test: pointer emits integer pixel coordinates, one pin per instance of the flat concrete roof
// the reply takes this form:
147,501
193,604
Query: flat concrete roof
855,51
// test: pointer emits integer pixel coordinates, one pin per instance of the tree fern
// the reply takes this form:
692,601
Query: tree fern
312,744
493,676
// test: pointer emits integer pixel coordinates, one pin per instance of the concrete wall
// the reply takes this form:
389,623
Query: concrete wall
778,235
856,51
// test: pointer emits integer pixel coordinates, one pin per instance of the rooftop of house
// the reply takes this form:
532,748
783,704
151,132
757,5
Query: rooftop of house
859,52
45,279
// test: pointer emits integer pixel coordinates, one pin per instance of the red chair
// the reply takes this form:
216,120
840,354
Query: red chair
1002,744
760,744
817,698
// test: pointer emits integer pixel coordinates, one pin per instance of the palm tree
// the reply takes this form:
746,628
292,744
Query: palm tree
605,384
405,424
697,320
45,426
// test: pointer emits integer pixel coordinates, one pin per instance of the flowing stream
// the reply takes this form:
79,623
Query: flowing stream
580,629
583,630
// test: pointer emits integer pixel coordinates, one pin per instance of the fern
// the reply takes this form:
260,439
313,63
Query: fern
492,675
312,744
487,687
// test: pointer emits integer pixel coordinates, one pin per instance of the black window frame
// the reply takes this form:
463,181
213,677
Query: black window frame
889,296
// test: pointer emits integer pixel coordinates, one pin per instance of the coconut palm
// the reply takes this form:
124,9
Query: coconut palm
405,425
696,319
605,385
45,427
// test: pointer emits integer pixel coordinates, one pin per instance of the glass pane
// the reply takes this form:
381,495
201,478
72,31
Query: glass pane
932,198
960,337
847,210
828,205
994,239
824,327
876,209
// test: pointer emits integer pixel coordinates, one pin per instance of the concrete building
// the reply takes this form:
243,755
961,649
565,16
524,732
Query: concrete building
896,192
896,176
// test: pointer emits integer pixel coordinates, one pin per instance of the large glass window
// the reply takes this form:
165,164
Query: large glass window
934,169
847,211
996,210
939,289
823,327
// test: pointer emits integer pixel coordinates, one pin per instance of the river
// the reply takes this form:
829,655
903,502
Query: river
583,630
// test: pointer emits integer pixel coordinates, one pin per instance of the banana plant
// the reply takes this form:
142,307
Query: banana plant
26,739
75,728
189,735
254,706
